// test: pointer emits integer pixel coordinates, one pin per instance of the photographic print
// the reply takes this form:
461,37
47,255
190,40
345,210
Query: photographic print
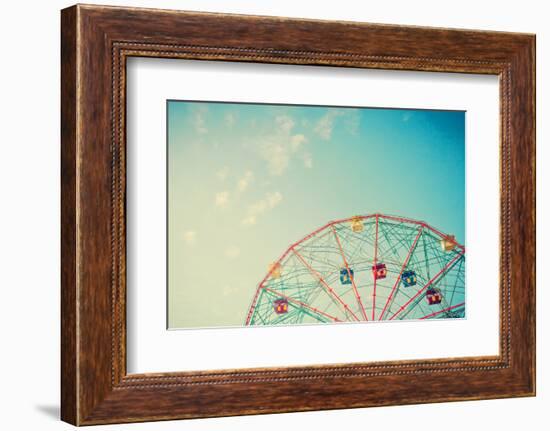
296,214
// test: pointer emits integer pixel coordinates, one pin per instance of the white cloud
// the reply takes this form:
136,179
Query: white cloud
353,120
308,161
278,150
270,201
232,252
199,119
245,181
284,122
406,116
222,198
249,220
280,146
296,142
229,290
230,119
273,199
190,237
277,157
223,173
325,124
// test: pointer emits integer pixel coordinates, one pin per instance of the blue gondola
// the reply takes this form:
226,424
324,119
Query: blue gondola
345,276
408,278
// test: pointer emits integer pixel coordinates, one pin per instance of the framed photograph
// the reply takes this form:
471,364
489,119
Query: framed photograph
258,208
258,175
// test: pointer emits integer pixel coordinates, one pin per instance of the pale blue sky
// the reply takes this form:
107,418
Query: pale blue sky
247,180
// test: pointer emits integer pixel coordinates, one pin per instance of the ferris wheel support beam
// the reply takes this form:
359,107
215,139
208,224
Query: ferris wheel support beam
429,283
302,304
375,262
357,296
442,311
330,291
409,254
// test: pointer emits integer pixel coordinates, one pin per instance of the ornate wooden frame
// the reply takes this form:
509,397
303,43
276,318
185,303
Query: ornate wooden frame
96,41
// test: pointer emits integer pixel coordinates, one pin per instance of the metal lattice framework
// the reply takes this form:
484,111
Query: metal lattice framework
364,268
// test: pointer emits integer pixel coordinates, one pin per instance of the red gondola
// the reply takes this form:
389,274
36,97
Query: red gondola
434,296
379,271
280,306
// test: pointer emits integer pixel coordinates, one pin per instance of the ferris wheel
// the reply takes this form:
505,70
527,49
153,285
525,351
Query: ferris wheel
364,268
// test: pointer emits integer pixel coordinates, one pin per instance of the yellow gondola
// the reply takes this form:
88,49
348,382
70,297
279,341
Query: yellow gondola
448,243
275,270
357,224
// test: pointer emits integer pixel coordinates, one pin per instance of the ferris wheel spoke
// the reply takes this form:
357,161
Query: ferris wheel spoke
445,270
432,280
399,239
329,290
302,312
302,304
393,231
444,310
457,278
357,296
427,266
410,308
375,262
405,263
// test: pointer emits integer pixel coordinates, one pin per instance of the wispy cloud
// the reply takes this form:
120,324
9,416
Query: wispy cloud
308,160
223,173
296,142
229,290
278,148
190,237
285,123
245,181
232,252
277,156
258,208
352,120
222,198
325,125
249,220
230,119
199,119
